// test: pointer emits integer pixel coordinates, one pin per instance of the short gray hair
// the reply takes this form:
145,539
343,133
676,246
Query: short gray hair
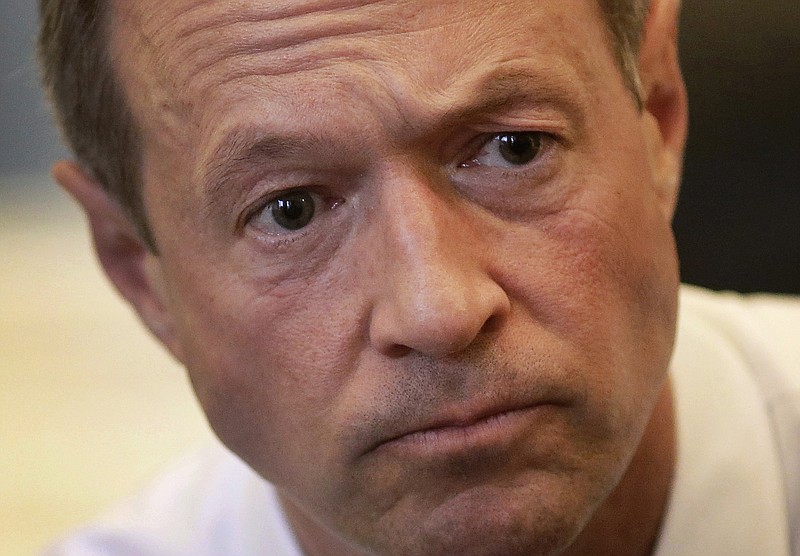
625,21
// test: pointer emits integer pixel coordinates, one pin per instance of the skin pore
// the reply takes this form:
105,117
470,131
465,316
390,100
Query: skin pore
417,260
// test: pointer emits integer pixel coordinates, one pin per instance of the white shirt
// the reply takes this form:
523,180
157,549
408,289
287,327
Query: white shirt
736,377
209,504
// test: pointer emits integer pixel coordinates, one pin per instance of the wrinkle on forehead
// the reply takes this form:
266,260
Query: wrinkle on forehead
194,41
261,31
186,53
202,33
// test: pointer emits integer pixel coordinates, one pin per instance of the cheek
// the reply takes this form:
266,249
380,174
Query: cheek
583,277
267,369
602,276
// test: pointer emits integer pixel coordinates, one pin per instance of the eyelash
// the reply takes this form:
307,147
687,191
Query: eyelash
549,142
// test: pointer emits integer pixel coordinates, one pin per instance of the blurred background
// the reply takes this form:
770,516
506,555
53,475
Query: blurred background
738,220
90,407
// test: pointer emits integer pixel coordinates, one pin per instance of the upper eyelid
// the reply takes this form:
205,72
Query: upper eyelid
522,119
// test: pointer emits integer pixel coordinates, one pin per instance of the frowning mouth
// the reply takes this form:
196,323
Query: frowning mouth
486,431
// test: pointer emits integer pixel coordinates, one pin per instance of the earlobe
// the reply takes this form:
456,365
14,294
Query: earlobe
664,97
130,265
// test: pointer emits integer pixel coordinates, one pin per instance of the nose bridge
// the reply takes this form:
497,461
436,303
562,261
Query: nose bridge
423,230
435,296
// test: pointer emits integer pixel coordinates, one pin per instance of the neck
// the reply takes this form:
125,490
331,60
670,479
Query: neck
628,522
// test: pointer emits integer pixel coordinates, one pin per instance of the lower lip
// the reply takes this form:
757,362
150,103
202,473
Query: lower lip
493,432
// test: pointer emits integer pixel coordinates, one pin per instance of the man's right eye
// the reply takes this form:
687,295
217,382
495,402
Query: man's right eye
290,211
293,211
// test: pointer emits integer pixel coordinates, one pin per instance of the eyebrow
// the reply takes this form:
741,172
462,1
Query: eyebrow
509,86
244,145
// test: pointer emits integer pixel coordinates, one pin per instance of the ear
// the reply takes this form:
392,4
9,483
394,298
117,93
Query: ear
132,267
665,113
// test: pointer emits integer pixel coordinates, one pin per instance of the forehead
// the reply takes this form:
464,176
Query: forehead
190,62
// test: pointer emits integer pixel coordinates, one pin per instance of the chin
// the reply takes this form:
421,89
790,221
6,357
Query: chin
491,521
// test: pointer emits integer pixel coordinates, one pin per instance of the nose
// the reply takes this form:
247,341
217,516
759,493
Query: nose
436,294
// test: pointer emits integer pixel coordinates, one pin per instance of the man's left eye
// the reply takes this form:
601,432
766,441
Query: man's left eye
509,150
292,211
288,212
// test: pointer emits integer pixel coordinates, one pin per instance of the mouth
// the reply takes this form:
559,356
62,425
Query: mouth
485,431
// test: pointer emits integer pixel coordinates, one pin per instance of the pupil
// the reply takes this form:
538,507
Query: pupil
519,148
293,211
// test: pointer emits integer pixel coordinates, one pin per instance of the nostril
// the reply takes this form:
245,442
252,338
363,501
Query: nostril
396,351
492,324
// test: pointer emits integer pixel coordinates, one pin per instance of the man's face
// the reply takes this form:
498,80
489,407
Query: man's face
415,255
